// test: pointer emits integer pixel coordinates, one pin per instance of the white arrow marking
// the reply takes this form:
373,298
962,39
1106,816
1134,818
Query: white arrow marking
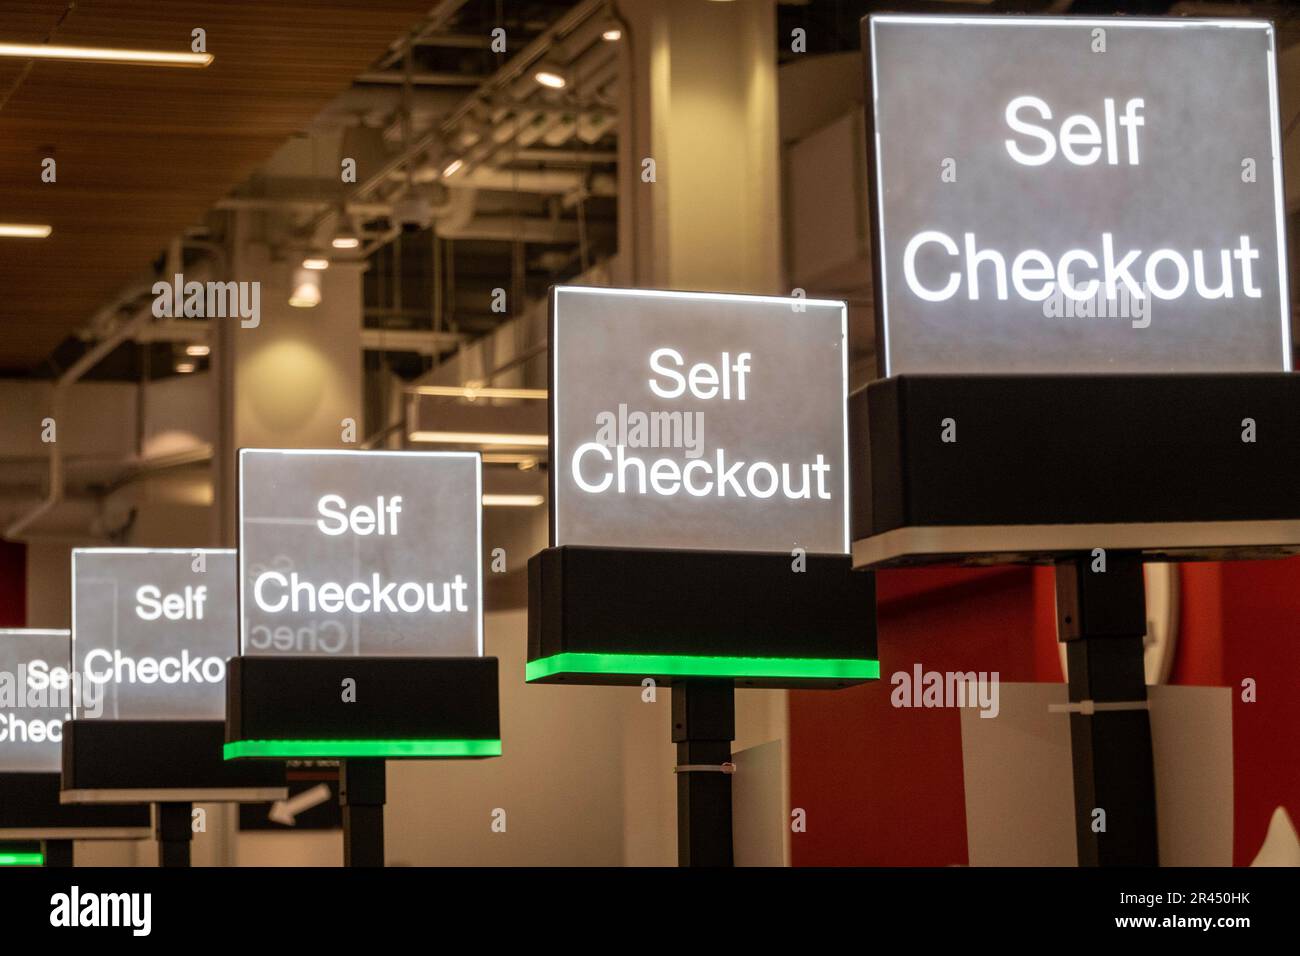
284,811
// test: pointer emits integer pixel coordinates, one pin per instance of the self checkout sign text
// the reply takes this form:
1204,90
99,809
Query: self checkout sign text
152,630
697,421
360,553
1077,195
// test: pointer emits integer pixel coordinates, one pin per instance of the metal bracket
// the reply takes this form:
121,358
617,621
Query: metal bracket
1090,707
727,767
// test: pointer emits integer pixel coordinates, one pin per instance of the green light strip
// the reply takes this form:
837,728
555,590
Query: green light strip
362,748
21,859
674,665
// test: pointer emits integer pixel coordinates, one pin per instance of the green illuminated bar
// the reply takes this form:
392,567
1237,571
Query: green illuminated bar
21,859
362,748
674,665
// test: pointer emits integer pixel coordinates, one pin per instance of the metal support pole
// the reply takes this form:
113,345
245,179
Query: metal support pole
362,793
57,852
174,830
704,725
1101,617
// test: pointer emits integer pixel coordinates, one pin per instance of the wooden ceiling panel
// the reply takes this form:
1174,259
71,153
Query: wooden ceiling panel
144,152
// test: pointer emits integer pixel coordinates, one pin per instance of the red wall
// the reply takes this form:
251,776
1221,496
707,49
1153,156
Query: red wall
13,584
882,786
1261,640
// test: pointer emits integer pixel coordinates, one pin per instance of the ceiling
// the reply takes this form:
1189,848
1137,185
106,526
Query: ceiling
144,152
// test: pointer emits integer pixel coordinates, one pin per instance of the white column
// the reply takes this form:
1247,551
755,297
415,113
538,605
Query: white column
288,382
702,103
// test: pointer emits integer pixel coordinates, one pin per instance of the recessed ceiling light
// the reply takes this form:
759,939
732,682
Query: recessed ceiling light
452,168
92,54
612,34
316,263
345,242
184,368
197,350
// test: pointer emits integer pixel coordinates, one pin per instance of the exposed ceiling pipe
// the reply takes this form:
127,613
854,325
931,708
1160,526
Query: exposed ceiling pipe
131,329
438,17
422,79
458,210
556,181
512,229
375,105
582,55
288,202
417,148
520,63
92,357
566,157
456,213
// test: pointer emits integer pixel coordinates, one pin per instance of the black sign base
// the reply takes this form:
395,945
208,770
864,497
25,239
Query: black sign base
991,469
333,708
705,622
30,810
164,761
621,615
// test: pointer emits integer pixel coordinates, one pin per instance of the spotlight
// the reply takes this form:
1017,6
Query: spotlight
306,289
551,76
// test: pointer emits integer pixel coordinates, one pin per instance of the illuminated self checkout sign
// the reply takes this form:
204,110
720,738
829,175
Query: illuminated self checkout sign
1077,195
698,421
360,553
152,630
35,699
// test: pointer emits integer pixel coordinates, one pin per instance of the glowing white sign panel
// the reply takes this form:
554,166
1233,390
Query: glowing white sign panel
1077,195
35,699
152,630
375,553
698,421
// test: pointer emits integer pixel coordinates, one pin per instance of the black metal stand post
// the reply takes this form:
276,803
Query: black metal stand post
704,725
174,830
57,852
362,793
1101,617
